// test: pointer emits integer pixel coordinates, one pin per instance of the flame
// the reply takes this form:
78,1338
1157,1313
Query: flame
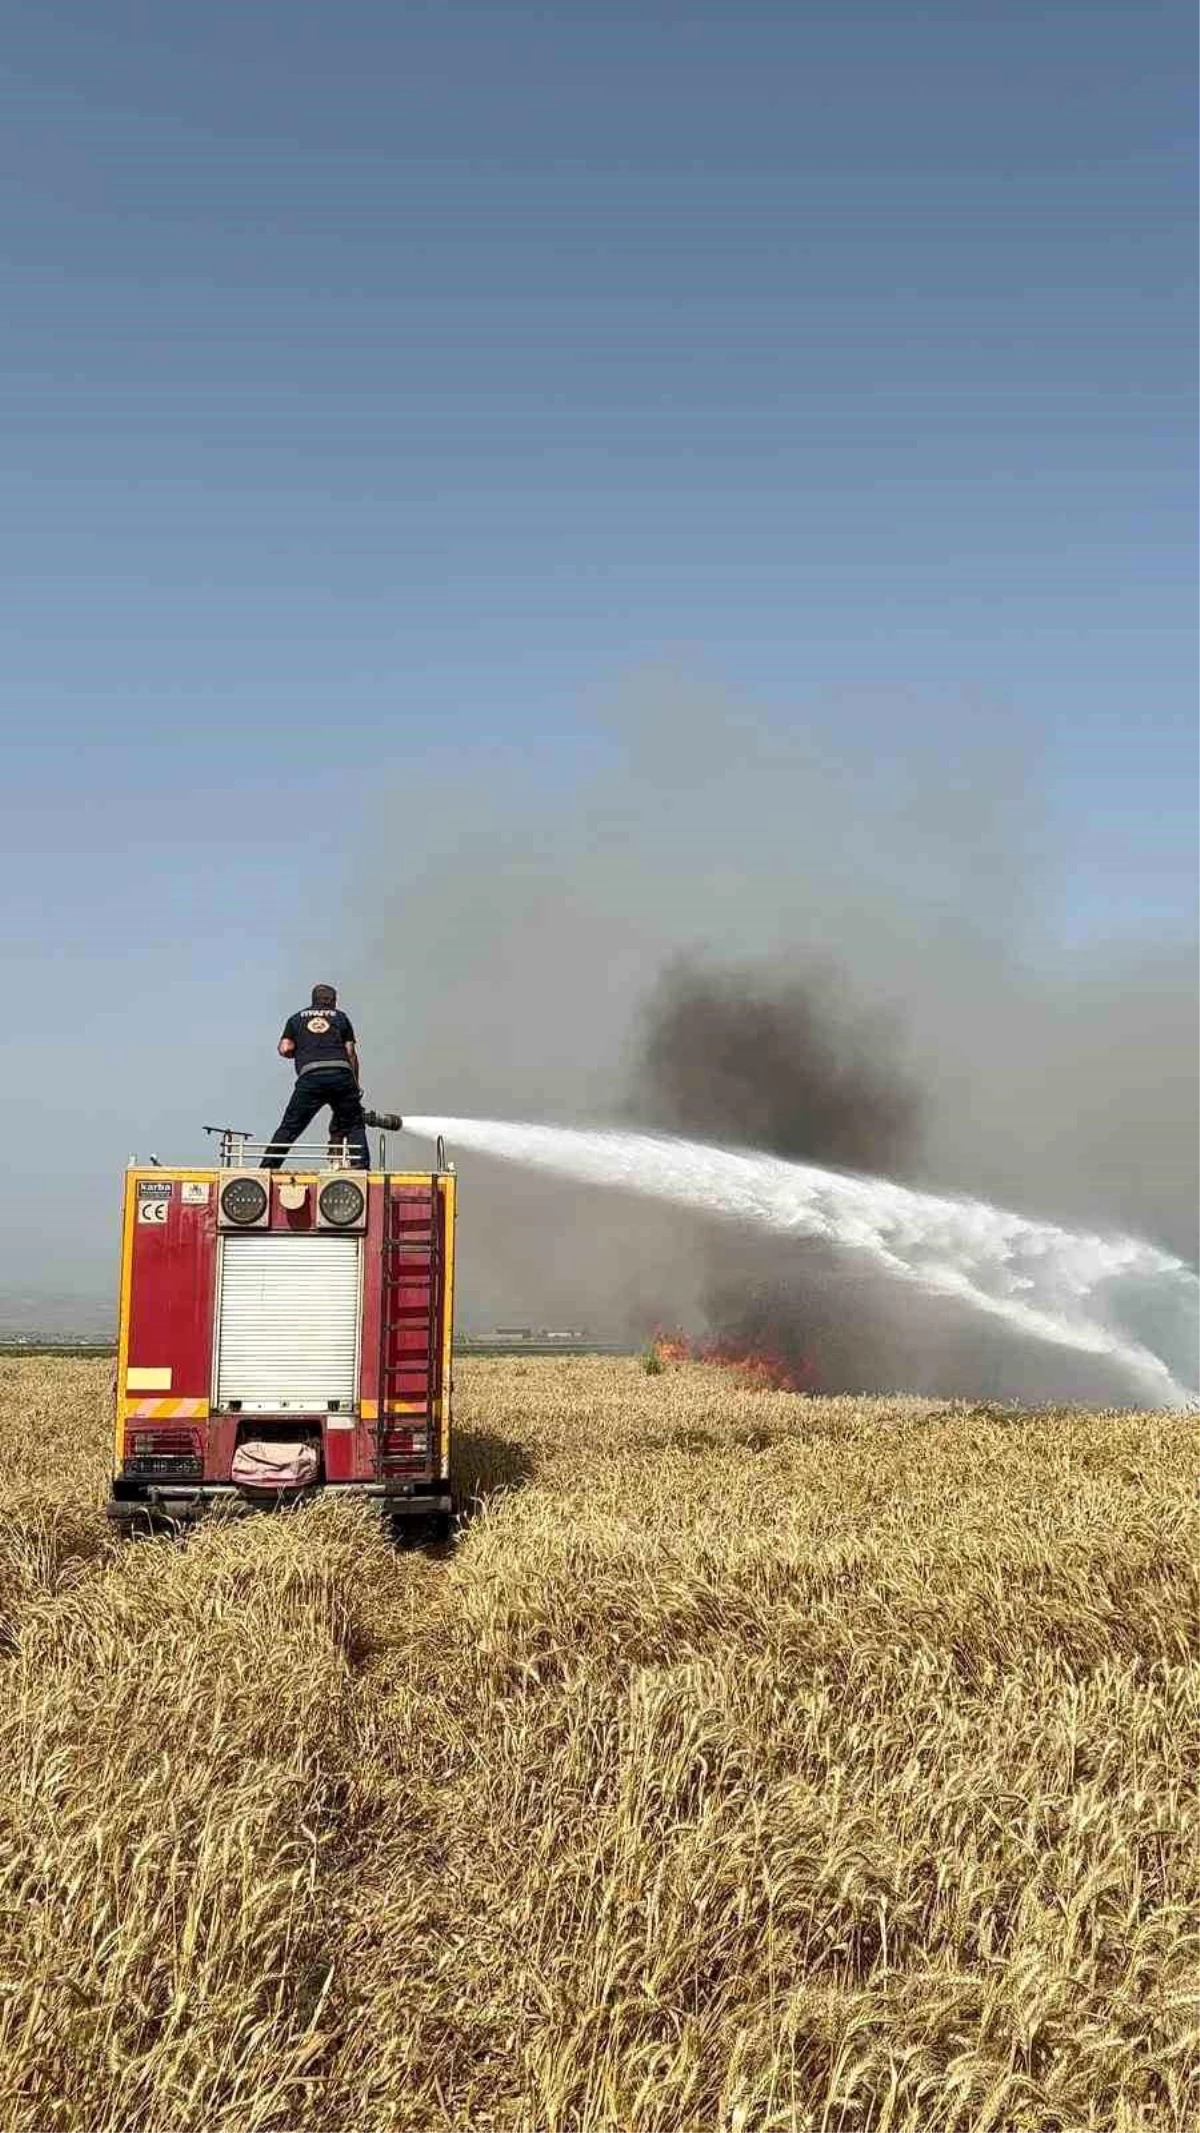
757,1369
671,1348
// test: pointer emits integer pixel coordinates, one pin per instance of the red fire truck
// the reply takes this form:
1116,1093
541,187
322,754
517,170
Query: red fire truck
282,1332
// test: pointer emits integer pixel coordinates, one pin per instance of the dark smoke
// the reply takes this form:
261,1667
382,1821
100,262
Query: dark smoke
787,1064
725,1055
792,1066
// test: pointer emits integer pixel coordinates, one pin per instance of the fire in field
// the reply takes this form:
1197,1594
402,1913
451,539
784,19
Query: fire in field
759,1368
752,1761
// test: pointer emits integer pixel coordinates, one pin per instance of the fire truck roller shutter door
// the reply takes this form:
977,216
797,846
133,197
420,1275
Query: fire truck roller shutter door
288,1320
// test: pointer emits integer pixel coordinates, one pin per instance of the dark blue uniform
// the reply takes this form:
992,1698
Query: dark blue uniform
324,1075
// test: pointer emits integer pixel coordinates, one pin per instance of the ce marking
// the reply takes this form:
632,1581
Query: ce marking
153,1211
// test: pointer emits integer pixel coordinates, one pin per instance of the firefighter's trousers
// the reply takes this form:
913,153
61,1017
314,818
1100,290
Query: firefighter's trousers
332,1085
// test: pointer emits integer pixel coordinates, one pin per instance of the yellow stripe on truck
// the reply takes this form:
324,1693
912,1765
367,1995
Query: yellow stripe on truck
444,1419
166,1410
123,1313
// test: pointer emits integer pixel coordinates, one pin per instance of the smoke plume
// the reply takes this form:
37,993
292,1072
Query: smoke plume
791,1068
843,937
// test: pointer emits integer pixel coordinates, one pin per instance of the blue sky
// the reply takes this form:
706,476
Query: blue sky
385,385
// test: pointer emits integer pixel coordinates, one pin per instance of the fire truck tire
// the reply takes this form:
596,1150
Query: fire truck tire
136,1522
430,1529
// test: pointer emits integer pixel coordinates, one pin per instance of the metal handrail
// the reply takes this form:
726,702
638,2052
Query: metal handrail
239,1150
324,1154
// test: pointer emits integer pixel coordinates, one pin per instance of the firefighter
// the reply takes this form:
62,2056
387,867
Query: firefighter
320,1039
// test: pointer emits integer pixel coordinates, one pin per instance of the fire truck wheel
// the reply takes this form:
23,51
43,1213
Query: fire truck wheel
131,1523
431,1531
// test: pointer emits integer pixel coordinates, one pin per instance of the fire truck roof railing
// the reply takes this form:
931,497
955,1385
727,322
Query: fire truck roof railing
240,1151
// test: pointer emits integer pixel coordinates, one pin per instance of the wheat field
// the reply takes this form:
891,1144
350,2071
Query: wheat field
752,1762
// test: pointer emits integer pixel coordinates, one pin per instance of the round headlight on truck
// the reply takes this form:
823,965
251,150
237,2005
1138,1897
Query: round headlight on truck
243,1201
341,1204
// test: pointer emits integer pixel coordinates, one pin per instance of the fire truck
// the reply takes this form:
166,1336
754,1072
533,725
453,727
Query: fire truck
284,1332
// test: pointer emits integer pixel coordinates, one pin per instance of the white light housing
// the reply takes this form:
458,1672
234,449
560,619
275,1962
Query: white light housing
245,1202
341,1204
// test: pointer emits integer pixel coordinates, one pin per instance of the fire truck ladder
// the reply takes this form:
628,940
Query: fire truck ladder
410,1317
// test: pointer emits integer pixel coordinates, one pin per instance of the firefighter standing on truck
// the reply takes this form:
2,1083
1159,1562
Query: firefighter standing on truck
320,1039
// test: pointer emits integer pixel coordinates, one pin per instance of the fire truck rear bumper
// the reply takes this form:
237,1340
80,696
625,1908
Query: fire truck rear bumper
155,1504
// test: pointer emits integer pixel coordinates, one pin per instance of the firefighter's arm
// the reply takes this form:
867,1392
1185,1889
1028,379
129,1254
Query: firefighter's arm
352,1056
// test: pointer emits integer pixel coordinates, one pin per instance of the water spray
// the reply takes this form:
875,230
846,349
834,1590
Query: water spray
1045,1282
